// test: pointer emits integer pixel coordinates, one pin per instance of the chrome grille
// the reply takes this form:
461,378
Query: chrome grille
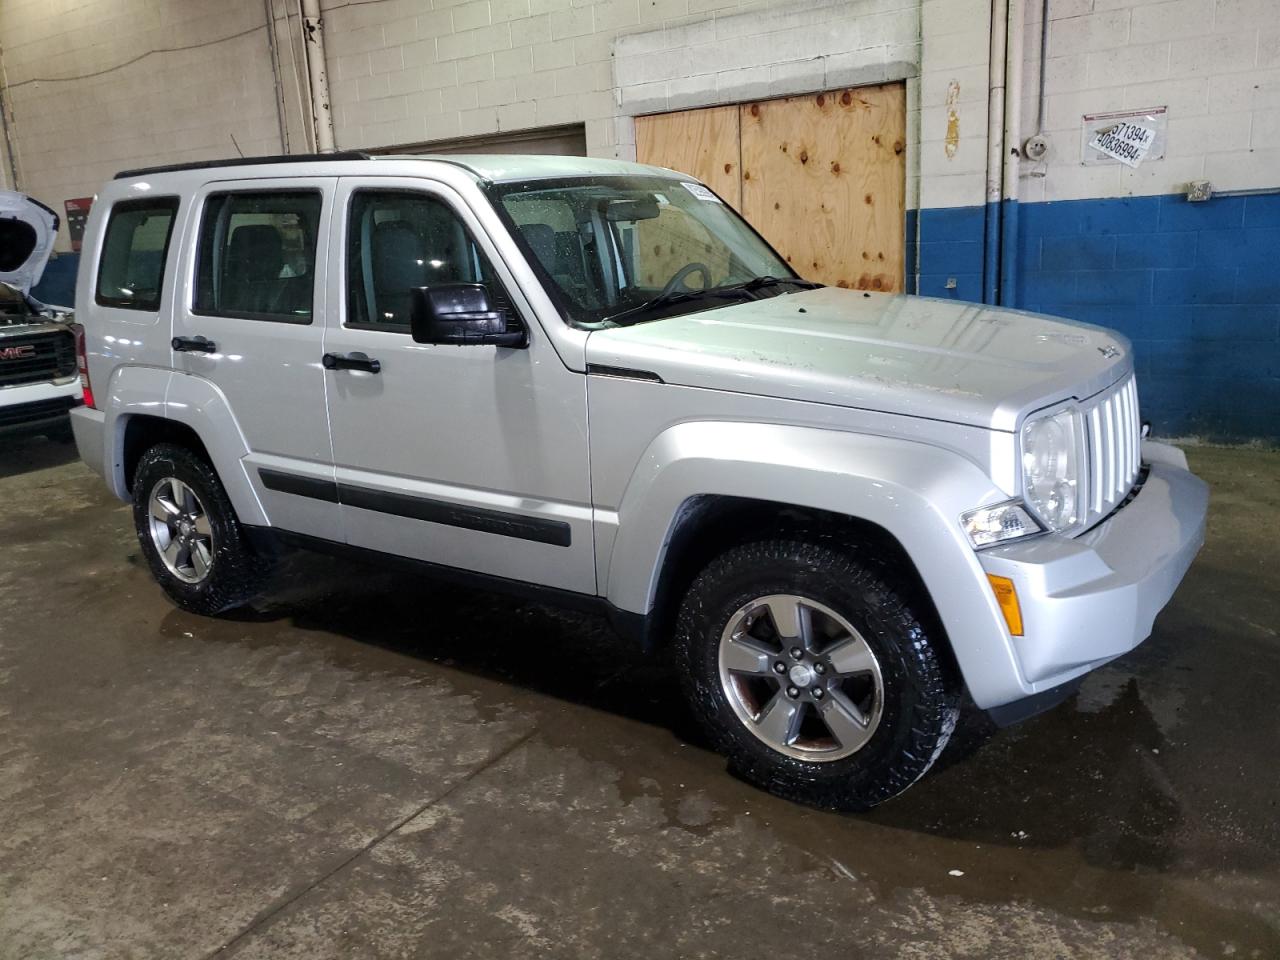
33,357
1115,454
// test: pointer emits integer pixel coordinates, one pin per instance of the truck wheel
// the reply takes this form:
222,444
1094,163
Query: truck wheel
189,533
812,676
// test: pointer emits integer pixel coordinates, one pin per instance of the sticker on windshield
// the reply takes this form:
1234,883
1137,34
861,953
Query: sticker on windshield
701,192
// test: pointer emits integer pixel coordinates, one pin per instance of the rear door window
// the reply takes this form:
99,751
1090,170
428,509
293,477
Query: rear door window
131,268
257,255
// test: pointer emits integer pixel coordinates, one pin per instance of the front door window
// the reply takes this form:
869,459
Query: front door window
398,241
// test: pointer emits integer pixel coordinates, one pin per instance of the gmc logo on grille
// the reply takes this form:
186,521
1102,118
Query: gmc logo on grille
23,351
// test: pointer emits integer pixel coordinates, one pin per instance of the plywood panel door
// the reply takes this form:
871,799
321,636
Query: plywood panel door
824,180
702,143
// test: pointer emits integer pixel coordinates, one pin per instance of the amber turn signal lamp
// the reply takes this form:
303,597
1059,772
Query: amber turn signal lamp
1007,597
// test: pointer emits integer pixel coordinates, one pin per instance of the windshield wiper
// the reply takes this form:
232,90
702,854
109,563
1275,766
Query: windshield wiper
674,297
746,289
769,281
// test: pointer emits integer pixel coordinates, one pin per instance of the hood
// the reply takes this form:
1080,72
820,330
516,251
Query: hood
27,231
918,356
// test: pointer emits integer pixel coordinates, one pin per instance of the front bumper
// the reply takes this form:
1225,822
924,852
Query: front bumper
1089,599
35,408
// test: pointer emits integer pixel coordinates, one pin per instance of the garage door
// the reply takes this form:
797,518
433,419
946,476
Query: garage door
821,176
567,141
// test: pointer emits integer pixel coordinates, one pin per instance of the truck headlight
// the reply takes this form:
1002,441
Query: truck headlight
1052,457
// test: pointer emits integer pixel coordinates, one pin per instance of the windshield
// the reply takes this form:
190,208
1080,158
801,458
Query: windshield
608,246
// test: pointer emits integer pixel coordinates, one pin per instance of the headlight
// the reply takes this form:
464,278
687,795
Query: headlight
996,524
1052,455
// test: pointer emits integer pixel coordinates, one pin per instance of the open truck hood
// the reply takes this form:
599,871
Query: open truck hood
919,356
27,232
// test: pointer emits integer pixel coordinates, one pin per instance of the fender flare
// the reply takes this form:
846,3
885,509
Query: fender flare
194,402
914,491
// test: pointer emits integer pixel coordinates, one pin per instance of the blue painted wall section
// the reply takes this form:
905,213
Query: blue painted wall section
57,284
1195,286
950,247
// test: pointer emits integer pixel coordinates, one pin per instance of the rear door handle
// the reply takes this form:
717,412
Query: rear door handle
193,345
351,361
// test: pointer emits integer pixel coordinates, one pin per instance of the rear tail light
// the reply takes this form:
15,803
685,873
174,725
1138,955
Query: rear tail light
82,364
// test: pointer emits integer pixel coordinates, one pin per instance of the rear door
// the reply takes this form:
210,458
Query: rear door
251,321
474,456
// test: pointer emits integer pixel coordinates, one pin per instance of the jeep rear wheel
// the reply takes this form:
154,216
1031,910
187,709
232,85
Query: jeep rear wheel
812,675
189,533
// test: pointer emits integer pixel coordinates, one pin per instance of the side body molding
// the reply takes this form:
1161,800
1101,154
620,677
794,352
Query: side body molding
194,402
914,491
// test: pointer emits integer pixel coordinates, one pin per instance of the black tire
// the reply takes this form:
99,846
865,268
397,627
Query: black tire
920,703
236,572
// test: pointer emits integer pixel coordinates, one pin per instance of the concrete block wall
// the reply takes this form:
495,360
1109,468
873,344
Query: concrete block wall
407,71
949,225
97,85
730,57
415,71
1214,63
86,98
410,72
1192,284
401,75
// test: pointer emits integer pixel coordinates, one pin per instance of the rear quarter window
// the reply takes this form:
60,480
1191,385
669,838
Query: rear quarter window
134,250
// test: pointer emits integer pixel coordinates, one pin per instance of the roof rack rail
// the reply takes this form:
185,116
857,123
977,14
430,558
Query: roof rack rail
244,162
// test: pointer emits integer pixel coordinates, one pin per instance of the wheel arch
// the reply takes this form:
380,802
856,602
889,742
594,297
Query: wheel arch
708,525
142,431
706,485
150,406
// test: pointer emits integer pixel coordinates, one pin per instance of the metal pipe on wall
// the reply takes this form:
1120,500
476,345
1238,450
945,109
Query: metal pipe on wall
1012,153
313,46
272,48
1043,65
9,153
10,148
995,150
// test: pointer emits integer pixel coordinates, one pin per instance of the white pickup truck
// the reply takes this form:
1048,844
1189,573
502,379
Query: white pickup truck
39,378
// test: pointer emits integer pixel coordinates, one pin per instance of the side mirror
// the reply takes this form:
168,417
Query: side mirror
460,313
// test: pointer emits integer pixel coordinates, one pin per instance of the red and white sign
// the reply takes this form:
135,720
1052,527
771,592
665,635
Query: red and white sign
77,214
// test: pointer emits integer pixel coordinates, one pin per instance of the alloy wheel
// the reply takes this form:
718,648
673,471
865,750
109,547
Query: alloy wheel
801,678
180,530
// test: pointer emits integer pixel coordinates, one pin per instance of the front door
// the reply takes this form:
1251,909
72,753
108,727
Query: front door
472,457
250,319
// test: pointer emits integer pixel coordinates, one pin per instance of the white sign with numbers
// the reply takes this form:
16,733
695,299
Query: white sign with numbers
1129,137
1127,142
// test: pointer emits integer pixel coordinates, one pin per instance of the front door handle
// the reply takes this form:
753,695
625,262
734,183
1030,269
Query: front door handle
351,361
193,345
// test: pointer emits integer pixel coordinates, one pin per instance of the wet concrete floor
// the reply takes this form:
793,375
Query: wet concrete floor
369,765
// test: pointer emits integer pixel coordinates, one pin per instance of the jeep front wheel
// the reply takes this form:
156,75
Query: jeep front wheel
812,675
189,533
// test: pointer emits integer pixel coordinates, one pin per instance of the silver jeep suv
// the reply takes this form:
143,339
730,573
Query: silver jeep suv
592,382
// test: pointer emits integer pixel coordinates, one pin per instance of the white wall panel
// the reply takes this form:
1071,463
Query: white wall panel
1213,63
